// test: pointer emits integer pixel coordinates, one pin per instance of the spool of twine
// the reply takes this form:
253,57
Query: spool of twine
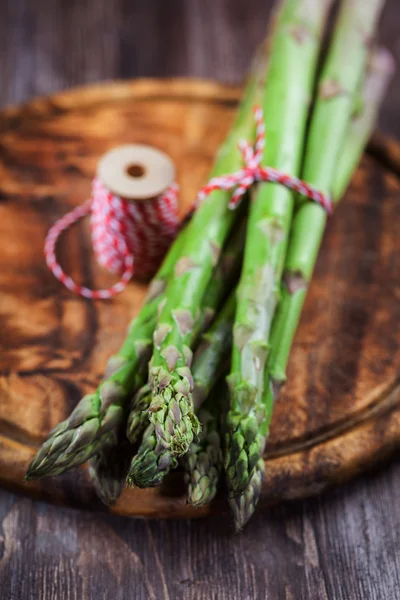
133,215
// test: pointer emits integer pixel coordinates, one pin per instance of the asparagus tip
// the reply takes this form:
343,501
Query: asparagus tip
138,417
176,426
151,463
203,466
244,505
244,446
202,492
108,469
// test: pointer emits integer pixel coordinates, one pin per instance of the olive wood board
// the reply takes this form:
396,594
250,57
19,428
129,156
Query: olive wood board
339,412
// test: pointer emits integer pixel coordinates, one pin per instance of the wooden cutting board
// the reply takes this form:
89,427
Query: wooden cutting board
340,411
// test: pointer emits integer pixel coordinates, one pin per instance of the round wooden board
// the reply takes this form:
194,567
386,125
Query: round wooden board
340,411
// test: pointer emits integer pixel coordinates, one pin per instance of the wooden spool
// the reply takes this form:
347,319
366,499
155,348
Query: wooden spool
136,171
340,411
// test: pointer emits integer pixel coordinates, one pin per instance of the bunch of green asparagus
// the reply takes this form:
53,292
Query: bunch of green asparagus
194,384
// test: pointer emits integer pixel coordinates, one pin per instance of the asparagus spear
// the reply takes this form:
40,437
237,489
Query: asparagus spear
289,85
153,461
108,470
97,415
203,463
324,166
169,374
244,505
381,68
138,419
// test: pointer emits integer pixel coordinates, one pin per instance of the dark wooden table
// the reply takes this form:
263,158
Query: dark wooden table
343,545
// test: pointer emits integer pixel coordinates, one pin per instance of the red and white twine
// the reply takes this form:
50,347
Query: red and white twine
253,172
130,238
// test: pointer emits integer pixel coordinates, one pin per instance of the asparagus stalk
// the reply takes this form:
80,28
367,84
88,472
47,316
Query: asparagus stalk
96,416
169,375
138,419
153,461
244,505
108,470
203,463
212,351
381,69
289,85
330,121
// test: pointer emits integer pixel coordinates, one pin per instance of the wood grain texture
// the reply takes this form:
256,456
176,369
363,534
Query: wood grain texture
339,546
342,545
340,410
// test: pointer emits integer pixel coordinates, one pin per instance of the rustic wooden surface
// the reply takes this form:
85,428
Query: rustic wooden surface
340,410
342,545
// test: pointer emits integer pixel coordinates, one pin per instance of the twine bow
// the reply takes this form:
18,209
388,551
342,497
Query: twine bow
252,172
